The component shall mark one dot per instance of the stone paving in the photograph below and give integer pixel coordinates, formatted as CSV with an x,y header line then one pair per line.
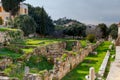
x,y
114,73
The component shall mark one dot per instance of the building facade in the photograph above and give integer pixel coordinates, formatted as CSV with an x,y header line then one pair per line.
x,y
118,39
5,15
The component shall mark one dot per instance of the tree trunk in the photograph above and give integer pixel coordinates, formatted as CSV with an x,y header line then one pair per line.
x,y
73,36
10,19
10,15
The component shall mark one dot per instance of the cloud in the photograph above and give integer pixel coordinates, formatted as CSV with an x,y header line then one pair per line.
x,y
94,11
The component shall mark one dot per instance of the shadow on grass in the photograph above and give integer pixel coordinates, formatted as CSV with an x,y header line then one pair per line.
x,y
89,61
80,71
92,55
102,50
76,76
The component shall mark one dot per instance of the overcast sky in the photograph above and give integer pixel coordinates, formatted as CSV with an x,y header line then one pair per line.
x,y
86,11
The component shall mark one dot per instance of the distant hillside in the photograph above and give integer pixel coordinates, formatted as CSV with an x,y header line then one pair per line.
x,y
65,22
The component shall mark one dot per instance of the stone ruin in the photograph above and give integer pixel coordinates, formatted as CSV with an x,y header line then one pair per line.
x,y
5,62
91,75
2,35
61,68
6,37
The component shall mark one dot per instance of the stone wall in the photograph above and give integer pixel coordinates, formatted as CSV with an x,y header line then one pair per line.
x,y
10,35
2,37
5,62
50,51
61,66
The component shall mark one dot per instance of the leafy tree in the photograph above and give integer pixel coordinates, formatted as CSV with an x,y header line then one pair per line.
x,y
113,27
103,29
11,6
25,23
81,30
114,34
75,30
113,31
63,21
41,29
44,22
71,31
58,27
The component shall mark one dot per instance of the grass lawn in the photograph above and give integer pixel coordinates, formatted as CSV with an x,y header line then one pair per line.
x,y
38,41
46,41
95,61
2,29
27,50
38,63
9,53
34,42
83,43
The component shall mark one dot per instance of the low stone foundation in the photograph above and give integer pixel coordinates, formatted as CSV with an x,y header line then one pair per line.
x,y
62,65
64,61
9,35
5,62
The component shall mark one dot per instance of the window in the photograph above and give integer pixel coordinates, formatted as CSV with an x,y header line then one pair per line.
x,y
0,9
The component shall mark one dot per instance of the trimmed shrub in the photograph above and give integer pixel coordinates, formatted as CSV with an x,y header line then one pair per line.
x,y
91,37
